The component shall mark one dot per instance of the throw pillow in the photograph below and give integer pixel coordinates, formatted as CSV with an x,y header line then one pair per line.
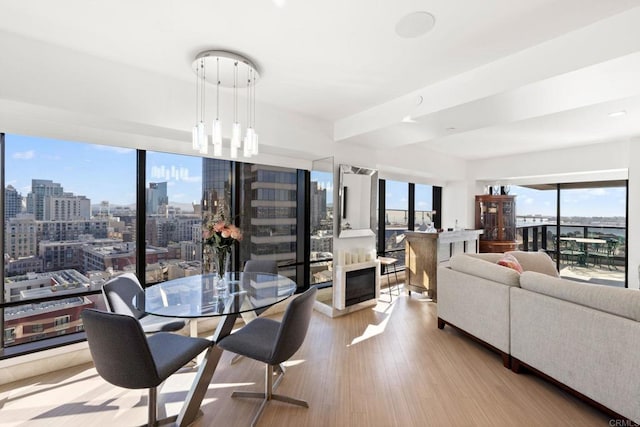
x,y
510,261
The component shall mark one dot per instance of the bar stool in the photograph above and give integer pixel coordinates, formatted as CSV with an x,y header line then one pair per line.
x,y
390,262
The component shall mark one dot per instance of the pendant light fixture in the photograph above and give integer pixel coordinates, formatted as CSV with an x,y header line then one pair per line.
x,y
228,67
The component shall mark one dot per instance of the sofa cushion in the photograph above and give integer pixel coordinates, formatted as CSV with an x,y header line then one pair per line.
x,y
511,262
487,256
618,301
539,262
487,269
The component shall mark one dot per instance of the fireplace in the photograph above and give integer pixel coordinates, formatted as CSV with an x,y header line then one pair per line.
x,y
360,285
356,286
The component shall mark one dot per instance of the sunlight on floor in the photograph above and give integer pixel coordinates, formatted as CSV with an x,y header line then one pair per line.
x,y
373,330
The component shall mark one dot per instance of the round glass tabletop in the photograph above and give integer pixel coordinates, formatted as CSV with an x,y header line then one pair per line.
x,y
206,295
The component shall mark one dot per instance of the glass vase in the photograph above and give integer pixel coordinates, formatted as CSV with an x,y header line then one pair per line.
x,y
208,265
221,260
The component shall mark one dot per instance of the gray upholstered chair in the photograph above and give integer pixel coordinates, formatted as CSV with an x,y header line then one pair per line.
x,y
124,295
125,357
257,266
273,342
261,266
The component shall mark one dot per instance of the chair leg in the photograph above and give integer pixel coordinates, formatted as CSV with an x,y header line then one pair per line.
x,y
153,406
269,386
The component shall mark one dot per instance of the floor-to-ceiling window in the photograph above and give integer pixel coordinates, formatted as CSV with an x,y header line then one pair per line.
x,y
321,227
77,214
268,208
396,215
589,241
423,196
404,206
69,225
174,199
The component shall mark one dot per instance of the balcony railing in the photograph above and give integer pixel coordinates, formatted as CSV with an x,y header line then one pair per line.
x,y
601,259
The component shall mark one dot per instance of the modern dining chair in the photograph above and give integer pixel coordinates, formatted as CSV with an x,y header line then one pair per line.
x,y
257,266
273,342
261,266
124,356
124,295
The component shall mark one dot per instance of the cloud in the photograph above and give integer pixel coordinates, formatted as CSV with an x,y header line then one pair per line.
x,y
598,192
117,150
24,155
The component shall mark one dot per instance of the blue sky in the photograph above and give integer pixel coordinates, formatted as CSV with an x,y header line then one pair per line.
x,y
109,173
324,180
397,196
590,202
98,172
102,172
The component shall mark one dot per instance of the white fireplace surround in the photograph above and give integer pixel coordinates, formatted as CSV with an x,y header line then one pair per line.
x,y
339,284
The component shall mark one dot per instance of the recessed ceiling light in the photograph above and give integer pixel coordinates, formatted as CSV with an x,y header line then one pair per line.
x,y
279,3
415,24
617,113
408,119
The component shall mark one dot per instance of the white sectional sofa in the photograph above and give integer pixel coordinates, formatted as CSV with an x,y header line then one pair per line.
x,y
585,337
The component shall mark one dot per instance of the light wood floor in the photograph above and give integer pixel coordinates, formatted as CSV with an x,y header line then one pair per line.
x,y
388,366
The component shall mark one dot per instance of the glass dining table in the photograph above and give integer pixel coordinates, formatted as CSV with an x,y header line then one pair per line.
x,y
204,296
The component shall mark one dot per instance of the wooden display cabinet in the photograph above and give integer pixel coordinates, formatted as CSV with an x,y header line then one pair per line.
x,y
496,215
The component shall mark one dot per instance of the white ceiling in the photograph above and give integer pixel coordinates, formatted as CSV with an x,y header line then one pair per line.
x,y
496,76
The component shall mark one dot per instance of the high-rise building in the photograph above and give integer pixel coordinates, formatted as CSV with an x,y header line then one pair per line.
x,y
41,188
12,202
269,212
20,236
216,185
47,201
66,207
318,205
156,196
72,229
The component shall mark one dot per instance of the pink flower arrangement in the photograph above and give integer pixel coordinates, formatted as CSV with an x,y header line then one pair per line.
x,y
220,234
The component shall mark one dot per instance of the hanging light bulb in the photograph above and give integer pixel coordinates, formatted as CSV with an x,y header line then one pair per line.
x,y
247,147
217,126
248,137
236,131
202,138
254,144
195,133
194,138
202,131
254,134
224,61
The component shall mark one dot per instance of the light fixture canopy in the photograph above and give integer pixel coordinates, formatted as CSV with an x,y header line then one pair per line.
x,y
230,70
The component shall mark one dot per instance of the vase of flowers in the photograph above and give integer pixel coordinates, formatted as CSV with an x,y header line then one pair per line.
x,y
218,238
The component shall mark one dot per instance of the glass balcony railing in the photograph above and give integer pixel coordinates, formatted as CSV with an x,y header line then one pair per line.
x,y
592,253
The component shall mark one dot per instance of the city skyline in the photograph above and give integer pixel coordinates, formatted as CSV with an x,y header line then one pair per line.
x,y
35,158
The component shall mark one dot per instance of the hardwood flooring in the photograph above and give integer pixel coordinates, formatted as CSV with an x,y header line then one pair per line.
x,y
387,366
